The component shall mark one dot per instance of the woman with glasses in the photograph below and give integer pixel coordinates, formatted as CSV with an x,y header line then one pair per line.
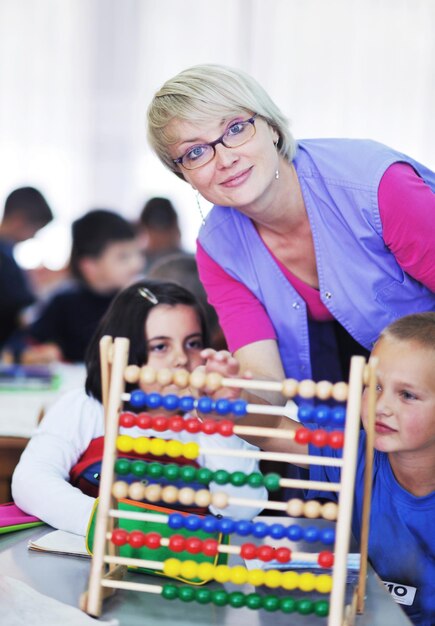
x,y
312,247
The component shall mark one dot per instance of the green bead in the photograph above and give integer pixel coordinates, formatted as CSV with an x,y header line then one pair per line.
x,y
188,473
219,597
171,471
186,594
204,475
203,596
139,468
238,479
122,466
236,599
255,480
155,470
304,607
271,482
287,605
321,608
271,603
221,477
254,601
170,592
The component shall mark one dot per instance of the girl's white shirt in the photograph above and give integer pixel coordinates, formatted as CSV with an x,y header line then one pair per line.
x,y
40,483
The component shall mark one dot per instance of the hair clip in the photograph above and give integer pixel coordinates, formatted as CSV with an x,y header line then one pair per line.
x,y
148,295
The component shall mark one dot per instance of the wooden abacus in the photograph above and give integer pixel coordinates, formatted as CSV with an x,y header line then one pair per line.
x,y
108,568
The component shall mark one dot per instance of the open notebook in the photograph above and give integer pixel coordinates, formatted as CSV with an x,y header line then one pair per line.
x,y
60,542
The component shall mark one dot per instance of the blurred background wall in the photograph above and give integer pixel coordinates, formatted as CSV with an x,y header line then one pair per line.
x,y
76,77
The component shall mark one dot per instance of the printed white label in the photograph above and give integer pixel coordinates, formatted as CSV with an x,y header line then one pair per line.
x,y
402,594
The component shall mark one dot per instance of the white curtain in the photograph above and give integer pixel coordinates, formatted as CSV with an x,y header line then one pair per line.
x,y
76,77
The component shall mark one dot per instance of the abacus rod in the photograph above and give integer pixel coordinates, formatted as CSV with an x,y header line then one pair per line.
x,y
131,562
309,484
298,459
123,584
139,517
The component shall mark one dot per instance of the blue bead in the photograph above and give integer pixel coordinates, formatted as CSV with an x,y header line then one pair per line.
x,y
205,404
305,413
176,520
327,536
170,402
277,531
138,398
192,522
239,407
338,416
295,532
187,403
226,525
323,414
154,400
311,534
210,524
243,527
223,406
260,530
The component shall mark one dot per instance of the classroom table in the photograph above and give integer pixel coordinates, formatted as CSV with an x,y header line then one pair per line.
x,y
65,578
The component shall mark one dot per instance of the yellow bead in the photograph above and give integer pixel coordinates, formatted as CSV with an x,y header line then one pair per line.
x,y
307,389
141,445
329,511
181,378
289,387
189,569
158,447
170,494
174,448
238,575
153,493
307,581
220,500
202,498
136,491
213,382
323,389
191,450
312,509
273,578
295,507
324,583
172,567
206,571
120,489
339,392
164,376
198,378
290,581
147,375
256,577
124,443
222,573
132,373
186,496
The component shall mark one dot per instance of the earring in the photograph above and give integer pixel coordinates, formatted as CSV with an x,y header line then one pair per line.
x,y
197,195
276,174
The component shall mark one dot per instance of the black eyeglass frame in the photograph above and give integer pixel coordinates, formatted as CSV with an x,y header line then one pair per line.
x,y
216,142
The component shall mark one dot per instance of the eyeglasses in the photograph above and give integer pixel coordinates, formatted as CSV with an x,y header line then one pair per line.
x,y
236,135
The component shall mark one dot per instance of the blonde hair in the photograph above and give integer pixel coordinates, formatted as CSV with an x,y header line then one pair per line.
x,y
419,327
205,92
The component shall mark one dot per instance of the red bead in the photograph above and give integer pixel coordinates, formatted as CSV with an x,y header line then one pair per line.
x,y
319,438
193,545
226,428
325,559
144,420
248,551
265,553
177,543
336,439
210,547
119,537
192,425
176,423
136,539
209,427
152,540
283,555
127,419
160,423
303,436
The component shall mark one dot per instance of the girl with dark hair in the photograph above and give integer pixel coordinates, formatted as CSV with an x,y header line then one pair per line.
x,y
57,477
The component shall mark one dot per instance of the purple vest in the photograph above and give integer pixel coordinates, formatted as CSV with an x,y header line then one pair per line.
x,y
360,281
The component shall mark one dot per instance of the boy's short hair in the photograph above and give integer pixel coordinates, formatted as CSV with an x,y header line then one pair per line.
x,y
159,214
30,203
418,327
92,233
